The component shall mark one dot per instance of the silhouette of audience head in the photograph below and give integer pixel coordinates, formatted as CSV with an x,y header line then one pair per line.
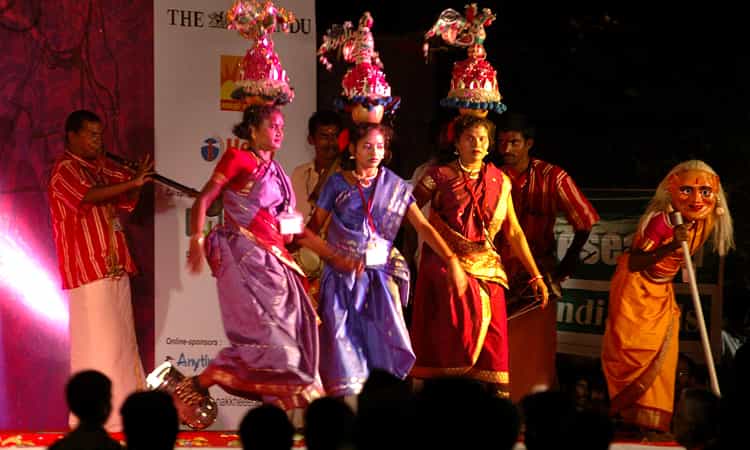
x,y
462,413
385,403
89,396
149,421
549,419
266,427
382,386
696,419
502,423
329,424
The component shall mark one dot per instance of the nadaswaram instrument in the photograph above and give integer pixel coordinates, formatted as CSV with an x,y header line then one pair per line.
x,y
213,210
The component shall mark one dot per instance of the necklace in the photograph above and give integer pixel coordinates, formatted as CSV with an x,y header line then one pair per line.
x,y
473,173
364,180
258,156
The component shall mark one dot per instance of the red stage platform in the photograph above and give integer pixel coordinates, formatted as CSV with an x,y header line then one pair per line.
x,y
220,440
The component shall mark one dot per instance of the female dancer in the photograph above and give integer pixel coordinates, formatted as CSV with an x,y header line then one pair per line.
x,y
466,335
266,313
363,324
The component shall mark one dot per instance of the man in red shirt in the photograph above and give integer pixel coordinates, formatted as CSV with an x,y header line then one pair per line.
x,y
540,192
87,194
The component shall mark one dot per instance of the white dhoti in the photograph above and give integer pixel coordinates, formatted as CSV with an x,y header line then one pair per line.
x,y
102,337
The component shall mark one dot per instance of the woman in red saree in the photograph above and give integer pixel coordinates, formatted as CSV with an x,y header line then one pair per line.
x,y
640,344
466,335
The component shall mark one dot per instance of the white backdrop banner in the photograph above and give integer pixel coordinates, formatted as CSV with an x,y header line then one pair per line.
x,y
195,62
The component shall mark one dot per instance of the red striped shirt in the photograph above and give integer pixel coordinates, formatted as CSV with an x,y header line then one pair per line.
x,y
90,245
539,194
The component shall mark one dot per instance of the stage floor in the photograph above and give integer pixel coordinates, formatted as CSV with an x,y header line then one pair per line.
x,y
210,440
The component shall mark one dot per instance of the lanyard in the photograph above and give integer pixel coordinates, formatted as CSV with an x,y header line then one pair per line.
x,y
367,203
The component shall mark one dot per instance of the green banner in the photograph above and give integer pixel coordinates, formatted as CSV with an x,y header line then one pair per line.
x,y
582,311
613,234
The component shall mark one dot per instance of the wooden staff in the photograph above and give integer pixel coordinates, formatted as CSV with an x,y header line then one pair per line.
x,y
699,312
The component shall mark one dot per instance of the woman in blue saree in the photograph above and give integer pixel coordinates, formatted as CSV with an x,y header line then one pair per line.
x,y
363,325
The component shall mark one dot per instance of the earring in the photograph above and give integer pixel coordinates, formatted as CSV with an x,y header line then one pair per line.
x,y
455,152
351,156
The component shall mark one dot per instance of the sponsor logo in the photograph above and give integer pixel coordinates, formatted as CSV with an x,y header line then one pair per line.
x,y
193,363
229,71
211,148
217,19
236,401
183,341
190,18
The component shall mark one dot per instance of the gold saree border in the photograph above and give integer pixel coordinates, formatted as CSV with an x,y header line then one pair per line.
x,y
643,416
478,259
290,395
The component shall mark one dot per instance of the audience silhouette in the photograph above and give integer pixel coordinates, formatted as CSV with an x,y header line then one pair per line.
x,y
89,397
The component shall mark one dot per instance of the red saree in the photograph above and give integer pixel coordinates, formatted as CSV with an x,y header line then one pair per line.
x,y
466,335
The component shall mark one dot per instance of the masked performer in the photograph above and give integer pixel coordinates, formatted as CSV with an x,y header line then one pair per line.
x,y
640,347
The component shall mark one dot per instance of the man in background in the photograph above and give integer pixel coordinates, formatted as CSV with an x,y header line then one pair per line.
x,y
323,129
540,192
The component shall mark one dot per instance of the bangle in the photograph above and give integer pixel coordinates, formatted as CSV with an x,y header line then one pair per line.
x,y
536,277
198,237
451,256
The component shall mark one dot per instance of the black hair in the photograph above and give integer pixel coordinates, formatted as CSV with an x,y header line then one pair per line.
x,y
266,427
321,119
359,131
89,396
697,419
75,120
460,124
516,122
329,424
149,421
253,116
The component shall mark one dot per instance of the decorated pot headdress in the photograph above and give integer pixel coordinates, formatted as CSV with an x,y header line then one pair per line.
x,y
365,91
474,87
262,79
